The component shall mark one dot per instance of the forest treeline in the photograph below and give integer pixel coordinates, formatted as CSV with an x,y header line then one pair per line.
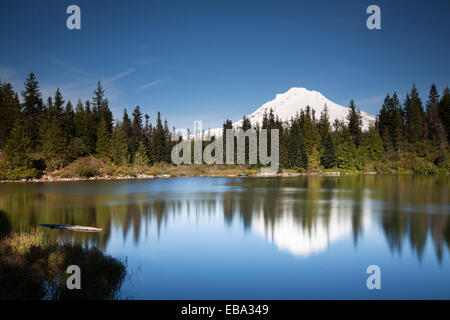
x,y
37,136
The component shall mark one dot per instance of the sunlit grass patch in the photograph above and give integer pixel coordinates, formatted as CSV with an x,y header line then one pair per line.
x,y
31,267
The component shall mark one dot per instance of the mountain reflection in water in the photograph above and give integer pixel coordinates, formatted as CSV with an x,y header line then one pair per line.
x,y
301,216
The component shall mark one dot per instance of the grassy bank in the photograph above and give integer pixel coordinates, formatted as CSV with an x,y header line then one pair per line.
x,y
31,267
92,167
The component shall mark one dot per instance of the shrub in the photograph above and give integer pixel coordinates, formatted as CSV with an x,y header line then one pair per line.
x,y
31,268
18,173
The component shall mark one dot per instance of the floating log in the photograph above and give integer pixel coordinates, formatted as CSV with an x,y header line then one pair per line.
x,y
71,228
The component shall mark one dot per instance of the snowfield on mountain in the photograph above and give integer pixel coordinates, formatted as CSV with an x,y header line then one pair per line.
x,y
287,105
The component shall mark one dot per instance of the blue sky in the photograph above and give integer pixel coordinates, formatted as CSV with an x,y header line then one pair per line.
x,y
214,60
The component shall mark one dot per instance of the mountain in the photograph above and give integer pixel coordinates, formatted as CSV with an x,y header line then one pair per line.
x,y
288,104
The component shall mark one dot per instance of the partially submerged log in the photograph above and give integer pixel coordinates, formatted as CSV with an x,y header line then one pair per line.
x,y
71,228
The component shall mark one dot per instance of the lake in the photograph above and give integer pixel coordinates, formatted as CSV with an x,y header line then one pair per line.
x,y
306,237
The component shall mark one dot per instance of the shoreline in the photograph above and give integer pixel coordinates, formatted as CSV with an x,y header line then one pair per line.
x,y
50,178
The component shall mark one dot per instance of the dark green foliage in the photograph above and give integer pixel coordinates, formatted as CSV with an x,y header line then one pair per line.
x,y
137,133
32,110
435,129
329,159
141,157
120,153
9,111
444,111
414,117
354,124
103,140
35,136
159,142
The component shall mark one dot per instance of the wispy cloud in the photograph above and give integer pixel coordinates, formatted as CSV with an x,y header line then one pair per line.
x,y
371,100
142,61
6,73
71,68
151,84
120,75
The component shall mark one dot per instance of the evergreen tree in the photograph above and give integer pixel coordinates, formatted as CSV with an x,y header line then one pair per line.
x,y
397,130
329,159
97,103
120,153
16,152
228,124
136,130
148,135
69,122
297,156
311,140
32,109
141,157
354,123
372,146
158,141
414,116
246,125
324,125
103,141
167,143
444,110
384,124
52,133
9,111
435,129
107,116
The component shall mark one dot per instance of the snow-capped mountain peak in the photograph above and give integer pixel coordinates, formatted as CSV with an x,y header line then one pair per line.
x,y
286,105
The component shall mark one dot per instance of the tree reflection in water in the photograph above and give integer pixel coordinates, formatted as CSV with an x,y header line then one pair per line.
x,y
300,215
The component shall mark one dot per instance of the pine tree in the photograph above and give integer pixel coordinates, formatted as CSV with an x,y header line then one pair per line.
x,y
397,130
167,142
372,146
103,141
16,152
69,123
354,123
136,130
52,133
414,117
141,157
107,116
324,125
148,135
444,111
246,125
9,111
227,125
295,147
385,122
32,109
435,129
128,129
120,153
90,128
158,141
311,140
97,103
329,159
346,151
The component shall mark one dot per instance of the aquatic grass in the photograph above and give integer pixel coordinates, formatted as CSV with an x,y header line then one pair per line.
x,y
21,243
33,267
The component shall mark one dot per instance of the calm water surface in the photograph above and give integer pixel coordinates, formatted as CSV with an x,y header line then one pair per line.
x,y
256,238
